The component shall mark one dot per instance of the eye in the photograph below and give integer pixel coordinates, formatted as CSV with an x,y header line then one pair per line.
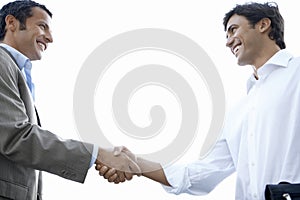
x,y
233,30
42,26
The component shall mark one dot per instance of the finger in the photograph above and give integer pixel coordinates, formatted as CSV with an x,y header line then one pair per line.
x,y
113,178
128,176
118,150
98,167
121,176
103,170
127,151
117,180
110,173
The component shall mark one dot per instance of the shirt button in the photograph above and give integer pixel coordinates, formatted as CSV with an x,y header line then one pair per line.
x,y
252,164
255,196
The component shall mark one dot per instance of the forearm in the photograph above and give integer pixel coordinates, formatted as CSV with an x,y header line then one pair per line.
x,y
29,145
153,171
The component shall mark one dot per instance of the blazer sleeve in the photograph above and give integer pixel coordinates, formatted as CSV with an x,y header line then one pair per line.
x,y
24,142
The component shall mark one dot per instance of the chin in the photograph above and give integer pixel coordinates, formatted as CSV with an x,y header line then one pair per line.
x,y
241,62
34,59
37,54
37,57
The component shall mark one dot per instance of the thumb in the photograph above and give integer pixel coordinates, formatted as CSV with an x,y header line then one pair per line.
x,y
118,150
134,167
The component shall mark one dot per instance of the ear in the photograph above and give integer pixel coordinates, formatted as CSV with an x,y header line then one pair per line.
x,y
264,25
11,23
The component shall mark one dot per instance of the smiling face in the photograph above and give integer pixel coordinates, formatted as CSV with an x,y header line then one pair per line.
x,y
244,40
32,40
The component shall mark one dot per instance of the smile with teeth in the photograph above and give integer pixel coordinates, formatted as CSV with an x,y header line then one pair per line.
x,y
236,49
42,46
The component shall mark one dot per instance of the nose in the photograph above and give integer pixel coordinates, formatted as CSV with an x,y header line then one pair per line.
x,y
49,37
229,41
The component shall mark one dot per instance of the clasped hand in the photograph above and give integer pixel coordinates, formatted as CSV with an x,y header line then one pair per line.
x,y
117,165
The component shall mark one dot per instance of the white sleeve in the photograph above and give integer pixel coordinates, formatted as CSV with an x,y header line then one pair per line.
x,y
201,176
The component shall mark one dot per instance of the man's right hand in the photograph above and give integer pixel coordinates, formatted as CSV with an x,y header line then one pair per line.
x,y
115,165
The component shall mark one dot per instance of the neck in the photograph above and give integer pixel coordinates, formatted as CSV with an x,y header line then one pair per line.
x,y
264,56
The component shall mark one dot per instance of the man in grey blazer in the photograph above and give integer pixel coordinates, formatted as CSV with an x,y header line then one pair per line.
x,y
26,148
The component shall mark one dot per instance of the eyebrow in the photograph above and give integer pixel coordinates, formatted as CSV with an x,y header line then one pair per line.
x,y
43,22
229,29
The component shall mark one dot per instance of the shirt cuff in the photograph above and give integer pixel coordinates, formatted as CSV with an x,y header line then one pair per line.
x,y
177,176
94,155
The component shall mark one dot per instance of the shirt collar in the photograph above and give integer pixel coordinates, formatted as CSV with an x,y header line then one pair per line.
x,y
22,60
24,65
279,59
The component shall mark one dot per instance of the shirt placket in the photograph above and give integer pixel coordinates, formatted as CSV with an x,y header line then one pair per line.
x,y
252,158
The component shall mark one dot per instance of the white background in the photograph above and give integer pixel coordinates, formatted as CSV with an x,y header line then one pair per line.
x,y
80,26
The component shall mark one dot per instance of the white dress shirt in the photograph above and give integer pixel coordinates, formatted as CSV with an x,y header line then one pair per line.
x,y
260,138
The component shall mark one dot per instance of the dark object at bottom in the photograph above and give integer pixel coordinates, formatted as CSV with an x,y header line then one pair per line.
x,y
282,191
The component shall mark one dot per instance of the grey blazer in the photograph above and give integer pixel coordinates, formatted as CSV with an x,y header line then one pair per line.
x,y
26,148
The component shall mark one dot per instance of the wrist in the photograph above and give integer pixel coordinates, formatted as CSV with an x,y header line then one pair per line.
x,y
100,156
147,166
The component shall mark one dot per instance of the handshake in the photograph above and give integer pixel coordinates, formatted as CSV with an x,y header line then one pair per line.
x,y
120,164
117,165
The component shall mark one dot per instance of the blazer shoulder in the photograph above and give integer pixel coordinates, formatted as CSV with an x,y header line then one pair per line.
x,y
10,73
8,67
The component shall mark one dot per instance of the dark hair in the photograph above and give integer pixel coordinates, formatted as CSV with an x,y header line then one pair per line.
x,y
254,12
21,10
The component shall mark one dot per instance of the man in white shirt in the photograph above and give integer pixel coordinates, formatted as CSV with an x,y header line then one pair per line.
x,y
261,135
